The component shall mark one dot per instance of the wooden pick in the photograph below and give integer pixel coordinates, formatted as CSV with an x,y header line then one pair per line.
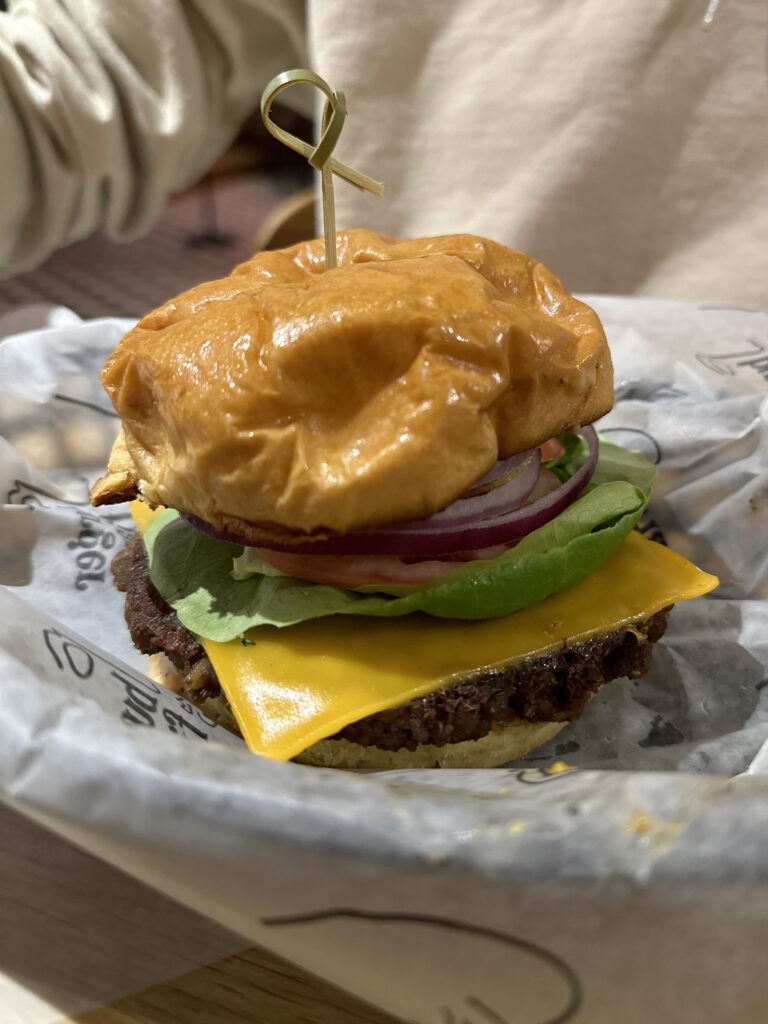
x,y
319,156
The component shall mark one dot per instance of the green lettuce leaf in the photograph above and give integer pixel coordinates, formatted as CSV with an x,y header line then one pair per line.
x,y
193,572
251,563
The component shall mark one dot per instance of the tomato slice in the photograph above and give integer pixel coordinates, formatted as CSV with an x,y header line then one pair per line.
x,y
551,449
350,571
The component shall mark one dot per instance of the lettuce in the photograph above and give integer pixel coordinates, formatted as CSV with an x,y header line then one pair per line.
x,y
193,572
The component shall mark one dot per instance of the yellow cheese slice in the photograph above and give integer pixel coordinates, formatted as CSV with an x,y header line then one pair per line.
x,y
143,515
289,688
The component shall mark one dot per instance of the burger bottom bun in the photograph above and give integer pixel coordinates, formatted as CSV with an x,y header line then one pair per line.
x,y
503,743
161,670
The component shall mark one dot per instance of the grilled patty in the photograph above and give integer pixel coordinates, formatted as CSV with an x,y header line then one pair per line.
x,y
551,687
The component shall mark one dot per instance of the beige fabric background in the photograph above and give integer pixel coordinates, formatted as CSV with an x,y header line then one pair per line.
x,y
624,144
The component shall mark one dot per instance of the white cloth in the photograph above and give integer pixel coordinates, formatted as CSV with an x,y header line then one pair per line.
x,y
625,145
109,106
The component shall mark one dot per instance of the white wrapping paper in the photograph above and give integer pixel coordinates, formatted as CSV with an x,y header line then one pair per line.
x,y
635,889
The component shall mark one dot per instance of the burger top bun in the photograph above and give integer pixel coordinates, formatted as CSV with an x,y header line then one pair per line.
x,y
287,399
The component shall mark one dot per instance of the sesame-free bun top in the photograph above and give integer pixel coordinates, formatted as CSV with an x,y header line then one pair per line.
x,y
287,399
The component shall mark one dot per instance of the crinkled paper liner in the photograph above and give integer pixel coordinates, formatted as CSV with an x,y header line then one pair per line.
x,y
633,889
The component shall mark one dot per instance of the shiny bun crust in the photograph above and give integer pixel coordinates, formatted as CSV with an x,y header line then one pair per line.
x,y
287,400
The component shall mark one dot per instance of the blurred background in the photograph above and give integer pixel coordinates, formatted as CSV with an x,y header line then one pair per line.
x,y
257,195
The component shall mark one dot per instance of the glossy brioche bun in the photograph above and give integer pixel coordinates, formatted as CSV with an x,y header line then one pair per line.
x,y
502,744
287,400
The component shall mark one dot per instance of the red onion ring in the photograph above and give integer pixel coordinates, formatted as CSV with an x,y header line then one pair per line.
x,y
503,498
498,500
497,471
427,537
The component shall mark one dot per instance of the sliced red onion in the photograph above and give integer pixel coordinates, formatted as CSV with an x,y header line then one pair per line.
x,y
429,538
504,498
447,539
466,509
496,472
230,538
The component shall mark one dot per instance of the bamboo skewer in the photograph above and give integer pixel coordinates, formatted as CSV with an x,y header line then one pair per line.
x,y
319,156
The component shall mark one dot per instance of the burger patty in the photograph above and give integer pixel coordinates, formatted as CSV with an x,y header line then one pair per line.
x,y
550,687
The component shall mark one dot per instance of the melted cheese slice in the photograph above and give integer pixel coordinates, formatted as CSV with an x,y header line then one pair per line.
x,y
289,688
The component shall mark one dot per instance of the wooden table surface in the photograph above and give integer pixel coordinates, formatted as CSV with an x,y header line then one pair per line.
x,y
82,943
250,986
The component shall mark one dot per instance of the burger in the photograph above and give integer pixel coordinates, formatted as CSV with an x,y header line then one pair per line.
x,y
375,527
